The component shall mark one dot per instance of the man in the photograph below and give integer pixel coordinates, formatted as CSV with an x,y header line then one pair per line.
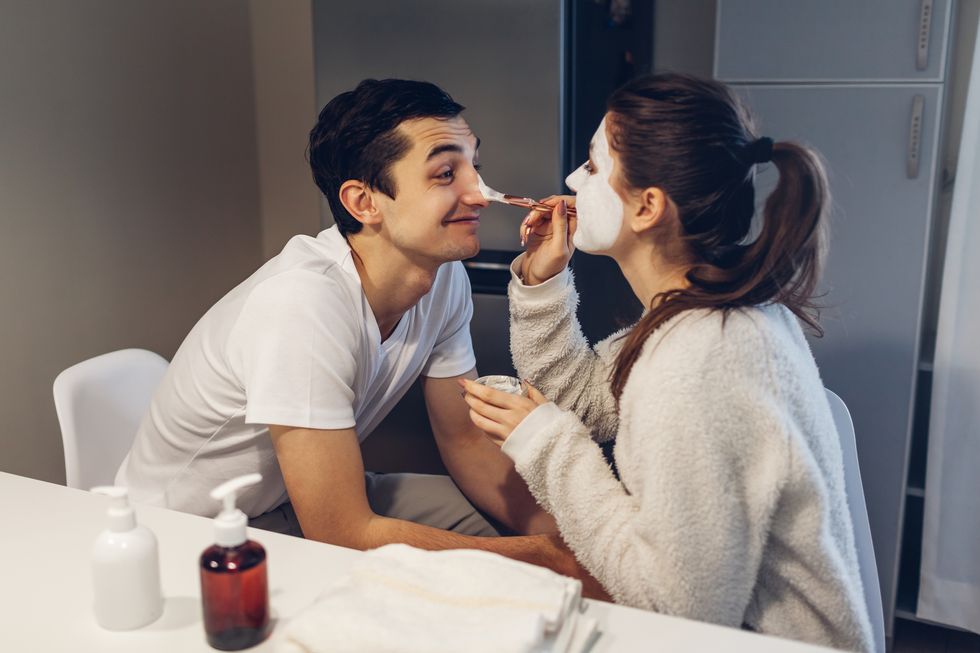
x,y
294,367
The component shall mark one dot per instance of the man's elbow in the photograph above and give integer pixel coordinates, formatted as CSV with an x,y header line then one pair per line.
x,y
351,532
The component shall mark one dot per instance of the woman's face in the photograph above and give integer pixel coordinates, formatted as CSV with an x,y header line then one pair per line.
x,y
598,205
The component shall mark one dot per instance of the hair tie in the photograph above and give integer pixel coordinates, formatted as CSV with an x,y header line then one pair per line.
x,y
761,150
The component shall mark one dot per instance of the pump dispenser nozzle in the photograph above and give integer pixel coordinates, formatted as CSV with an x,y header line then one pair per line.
x,y
229,525
121,515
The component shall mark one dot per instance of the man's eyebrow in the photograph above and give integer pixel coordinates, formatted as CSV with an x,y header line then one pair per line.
x,y
439,149
448,147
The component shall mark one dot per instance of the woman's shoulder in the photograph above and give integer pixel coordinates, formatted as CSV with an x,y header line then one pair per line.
x,y
740,340
708,365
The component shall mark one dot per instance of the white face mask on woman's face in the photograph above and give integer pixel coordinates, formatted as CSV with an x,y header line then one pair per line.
x,y
599,208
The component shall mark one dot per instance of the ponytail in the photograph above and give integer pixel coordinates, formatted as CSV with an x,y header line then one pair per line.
x,y
782,265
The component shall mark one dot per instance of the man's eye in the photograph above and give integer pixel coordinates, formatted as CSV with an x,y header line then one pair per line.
x,y
448,174
477,167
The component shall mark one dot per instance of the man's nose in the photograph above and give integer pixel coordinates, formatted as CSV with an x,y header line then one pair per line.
x,y
473,197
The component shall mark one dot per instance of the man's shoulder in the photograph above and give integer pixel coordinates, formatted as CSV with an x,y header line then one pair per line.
x,y
308,268
299,300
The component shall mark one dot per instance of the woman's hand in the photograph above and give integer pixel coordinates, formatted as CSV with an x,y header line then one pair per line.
x,y
549,240
498,413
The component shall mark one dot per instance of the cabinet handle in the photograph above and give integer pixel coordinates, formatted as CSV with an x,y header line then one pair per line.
x,y
922,39
915,136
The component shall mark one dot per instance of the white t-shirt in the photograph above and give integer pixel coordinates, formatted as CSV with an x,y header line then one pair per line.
x,y
295,344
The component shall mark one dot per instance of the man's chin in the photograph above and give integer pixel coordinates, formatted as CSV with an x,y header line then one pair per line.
x,y
465,250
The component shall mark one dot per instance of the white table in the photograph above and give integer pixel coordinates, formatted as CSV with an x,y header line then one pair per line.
x,y
46,594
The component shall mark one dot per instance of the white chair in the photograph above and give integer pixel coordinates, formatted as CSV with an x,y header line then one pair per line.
x,y
859,516
100,403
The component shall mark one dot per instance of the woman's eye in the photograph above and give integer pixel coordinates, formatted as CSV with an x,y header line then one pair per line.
x,y
477,167
448,174
588,168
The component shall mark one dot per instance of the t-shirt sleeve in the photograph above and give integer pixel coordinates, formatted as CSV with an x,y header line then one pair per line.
x,y
452,354
294,345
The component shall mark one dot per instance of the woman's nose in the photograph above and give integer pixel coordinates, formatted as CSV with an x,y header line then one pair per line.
x,y
575,179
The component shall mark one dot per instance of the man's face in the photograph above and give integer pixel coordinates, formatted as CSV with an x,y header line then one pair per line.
x,y
436,211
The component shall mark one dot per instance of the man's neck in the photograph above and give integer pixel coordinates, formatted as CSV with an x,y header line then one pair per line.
x,y
392,282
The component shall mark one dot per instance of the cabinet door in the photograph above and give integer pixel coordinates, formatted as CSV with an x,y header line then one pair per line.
x,y
490,329
875,271
831,40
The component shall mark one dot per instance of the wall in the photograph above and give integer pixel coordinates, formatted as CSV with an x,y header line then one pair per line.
x,y
128,189
684,36
285,108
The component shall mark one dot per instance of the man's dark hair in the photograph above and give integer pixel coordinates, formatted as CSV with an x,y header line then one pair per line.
x,y
357,137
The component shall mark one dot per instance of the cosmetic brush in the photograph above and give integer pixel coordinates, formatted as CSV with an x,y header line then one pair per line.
x,y
516,200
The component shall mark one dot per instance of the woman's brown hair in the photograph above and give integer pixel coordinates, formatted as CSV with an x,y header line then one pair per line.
x,y
694,140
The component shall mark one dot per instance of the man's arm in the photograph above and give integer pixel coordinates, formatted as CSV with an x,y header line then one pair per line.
x,y
481,470
324,477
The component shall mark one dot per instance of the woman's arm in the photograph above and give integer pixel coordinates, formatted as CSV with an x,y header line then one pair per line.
x,y
686,538
545,338
703,455
550,350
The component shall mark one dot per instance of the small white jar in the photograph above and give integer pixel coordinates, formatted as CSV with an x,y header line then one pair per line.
x,y
504,383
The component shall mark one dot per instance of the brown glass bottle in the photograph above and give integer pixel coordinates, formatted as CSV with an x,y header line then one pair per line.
x,y
235,595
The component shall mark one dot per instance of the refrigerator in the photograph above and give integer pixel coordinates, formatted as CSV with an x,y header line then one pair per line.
x,y
873,105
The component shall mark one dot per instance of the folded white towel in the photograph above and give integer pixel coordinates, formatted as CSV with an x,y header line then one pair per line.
x,y
399,598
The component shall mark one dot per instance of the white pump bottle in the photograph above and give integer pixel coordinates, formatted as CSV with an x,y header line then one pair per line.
x,y
125,568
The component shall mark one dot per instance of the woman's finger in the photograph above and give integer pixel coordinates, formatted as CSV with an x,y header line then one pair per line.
x,y
572,227
552,200
535,218
498,415
559,219
488,426
492,396
534,394
522,230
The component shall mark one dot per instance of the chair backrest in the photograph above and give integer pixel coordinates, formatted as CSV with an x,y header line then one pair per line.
x,y
859,516
100,403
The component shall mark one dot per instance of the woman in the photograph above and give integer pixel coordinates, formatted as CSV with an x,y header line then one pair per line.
x,y
729,506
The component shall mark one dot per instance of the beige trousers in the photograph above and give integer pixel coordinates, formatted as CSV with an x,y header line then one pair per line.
x,y
427,499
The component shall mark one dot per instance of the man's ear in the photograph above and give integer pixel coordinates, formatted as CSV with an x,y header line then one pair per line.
x,y
358,199
652,209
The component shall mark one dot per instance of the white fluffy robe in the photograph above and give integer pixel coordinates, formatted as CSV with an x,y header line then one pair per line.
x,y
730,506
